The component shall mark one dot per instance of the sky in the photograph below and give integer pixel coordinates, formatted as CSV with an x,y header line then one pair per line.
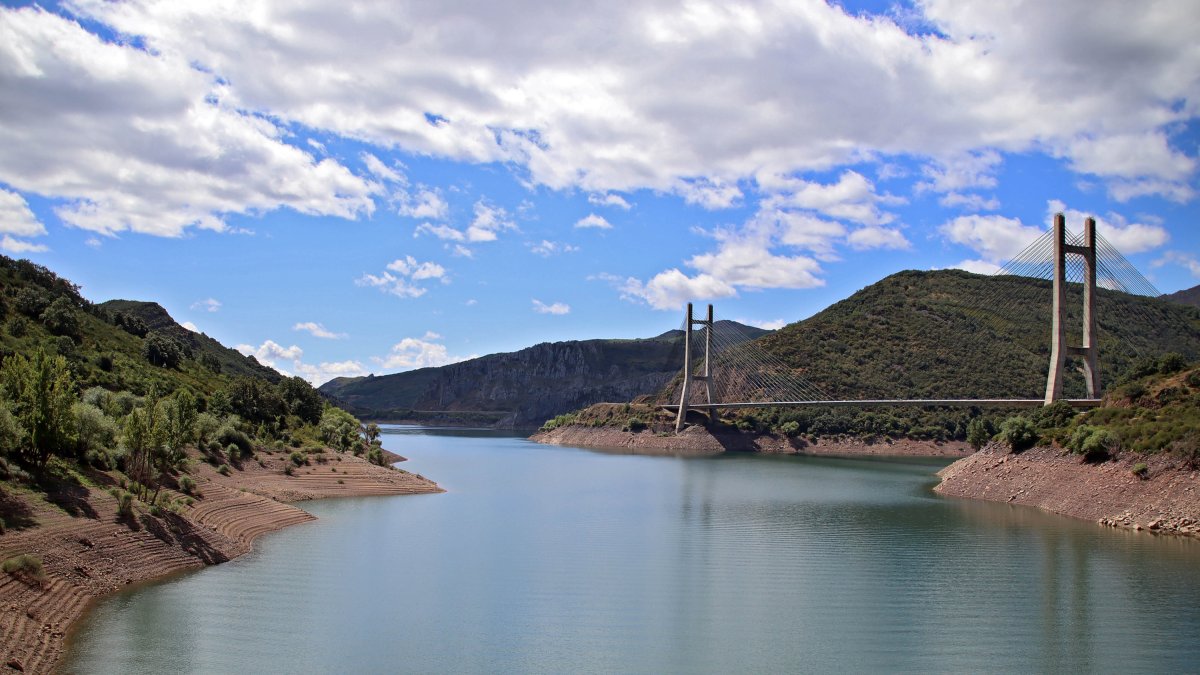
x,y
369,187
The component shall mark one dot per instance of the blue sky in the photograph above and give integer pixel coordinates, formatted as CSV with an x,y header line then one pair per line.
x,y
353,188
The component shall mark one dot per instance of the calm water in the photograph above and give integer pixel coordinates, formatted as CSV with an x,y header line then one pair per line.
x,y
554,560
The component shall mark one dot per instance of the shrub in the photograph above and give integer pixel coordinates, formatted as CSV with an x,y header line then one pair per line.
x,y
1140,470
25,566
636,425
289,469
228,434
1171,363
298,458
790,429
187,484
1018,432
979,432
224,470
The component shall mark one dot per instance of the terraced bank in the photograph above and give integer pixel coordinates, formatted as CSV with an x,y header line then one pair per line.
x,y
88,550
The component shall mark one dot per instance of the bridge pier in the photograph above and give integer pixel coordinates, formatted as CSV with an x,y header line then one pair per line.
x,y
1059,349
686,392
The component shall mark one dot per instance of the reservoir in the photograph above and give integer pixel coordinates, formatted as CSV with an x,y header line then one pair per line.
x,y
543,559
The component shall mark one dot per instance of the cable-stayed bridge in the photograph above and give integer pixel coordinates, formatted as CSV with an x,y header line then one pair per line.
x,y
725,369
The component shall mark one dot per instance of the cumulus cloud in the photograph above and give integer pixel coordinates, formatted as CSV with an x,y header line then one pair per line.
x,y
852,197
441,231
190,326
548,248
878,237
672,289
325,371
423,352
13,245
557,308
424,203
78,107
1187,261
207,305
401,277
289,360
489,221
593,221
1127,237
996,238
609,199
318,330
16,218
270,353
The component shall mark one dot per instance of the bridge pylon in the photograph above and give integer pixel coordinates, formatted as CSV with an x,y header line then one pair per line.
x,y
1059,349
688,376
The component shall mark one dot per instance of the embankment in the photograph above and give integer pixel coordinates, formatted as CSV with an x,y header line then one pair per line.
x,y
1166,499
697,440
89,551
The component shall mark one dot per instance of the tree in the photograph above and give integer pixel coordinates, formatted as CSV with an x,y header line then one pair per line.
x,y
180,414
340,430
979,432
301,399
93,429
161,350
60,318
1018,432
40,391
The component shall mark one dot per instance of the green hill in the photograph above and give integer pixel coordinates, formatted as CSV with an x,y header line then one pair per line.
x,y
953,334
1188,296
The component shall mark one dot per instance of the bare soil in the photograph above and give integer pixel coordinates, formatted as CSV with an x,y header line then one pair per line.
x,y
697,440
89,551
1166,500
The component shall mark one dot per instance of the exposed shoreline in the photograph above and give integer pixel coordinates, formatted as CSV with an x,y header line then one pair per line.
x,y
697,440
1166,501
94,552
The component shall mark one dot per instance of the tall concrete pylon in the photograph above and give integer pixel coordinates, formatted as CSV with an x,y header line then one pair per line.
x,y
1059,349
688,377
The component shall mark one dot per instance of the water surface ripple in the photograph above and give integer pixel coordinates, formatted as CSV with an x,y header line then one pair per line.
x,y
551,560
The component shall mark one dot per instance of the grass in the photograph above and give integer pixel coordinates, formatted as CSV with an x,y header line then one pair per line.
x,y
27,567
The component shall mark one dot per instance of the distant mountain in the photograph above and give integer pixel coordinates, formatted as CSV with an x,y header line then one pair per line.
x,y
1189,296
523,388
951,334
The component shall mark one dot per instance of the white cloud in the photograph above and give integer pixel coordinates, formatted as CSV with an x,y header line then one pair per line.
x,y
878,237
672,289
609,199
969,202
978,266
270,353
489,220
18,246
852,197
327,370
207,305
961,172
16,218
775,324
558,308
318,330
141,140
593,221
421,352
996,238
426,203
377,167
693,99
190,326
548,248
1187,261
443,232
1127,237
407,271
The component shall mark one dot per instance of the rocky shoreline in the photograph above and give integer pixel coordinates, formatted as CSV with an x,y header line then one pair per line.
x,y
697,440
88,550
1164,499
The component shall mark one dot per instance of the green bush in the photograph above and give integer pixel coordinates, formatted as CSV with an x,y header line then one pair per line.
x,y
635,425
1018,432
298,458
25,566
791,429
187,484
979,432
289,469
1140,470
224,470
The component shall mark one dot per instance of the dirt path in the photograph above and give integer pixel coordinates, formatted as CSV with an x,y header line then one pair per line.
x,y
96,552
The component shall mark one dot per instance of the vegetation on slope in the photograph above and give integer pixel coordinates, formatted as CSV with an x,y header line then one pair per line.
x,y
121,388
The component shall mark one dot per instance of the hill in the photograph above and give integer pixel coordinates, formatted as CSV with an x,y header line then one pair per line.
x,y
953,334
1188,296
523,388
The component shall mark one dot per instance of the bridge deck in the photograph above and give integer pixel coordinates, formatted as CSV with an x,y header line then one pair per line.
x,y
883,403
